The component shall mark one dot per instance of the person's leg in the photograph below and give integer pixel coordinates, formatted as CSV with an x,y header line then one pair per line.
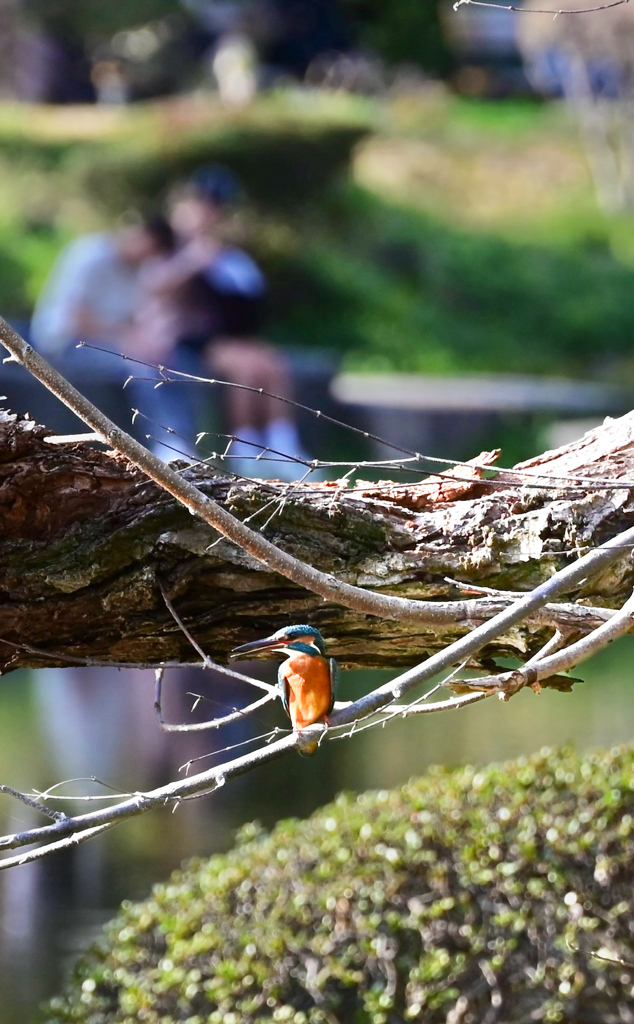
x,y
171,406
255,417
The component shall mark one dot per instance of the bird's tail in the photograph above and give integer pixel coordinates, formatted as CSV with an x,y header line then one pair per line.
x,y
308,751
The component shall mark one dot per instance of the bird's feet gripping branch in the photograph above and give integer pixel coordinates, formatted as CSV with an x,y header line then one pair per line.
x,y
307,680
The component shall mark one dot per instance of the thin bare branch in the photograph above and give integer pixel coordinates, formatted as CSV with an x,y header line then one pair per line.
x,y
74,839
545,664
555,643
263,737
384,715
36,805
50,794
473,588
139,803
103,663
453,704
541,10
233,716
183,628
412,460
616,961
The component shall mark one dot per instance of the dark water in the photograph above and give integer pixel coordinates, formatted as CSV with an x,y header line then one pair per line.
x,y
63,725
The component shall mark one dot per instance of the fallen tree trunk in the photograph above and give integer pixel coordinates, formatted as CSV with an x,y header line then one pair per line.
x,y
87,544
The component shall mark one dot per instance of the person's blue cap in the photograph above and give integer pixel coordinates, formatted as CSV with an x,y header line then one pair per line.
x,y
216,184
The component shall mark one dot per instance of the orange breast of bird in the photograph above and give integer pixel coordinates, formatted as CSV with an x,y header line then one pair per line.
x,y
309,688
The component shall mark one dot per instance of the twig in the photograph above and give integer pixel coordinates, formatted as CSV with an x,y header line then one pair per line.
x,y
527,478
543,665
216,723
75,839
207,661
183,628
556,641
70,438
50,794
266,736
540,10
102,663
407,710
139,803
31,802
473,588
616,961
420,705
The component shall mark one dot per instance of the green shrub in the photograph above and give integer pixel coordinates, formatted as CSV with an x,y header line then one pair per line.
x,y
395,289
281,167
472,895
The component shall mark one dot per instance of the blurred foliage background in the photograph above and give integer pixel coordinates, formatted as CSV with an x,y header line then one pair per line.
x,y
413,224
430,233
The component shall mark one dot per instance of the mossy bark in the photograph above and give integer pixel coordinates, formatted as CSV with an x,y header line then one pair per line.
x,y
86,543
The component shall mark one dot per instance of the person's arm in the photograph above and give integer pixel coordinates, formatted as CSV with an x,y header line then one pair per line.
x,y
86,323
167,277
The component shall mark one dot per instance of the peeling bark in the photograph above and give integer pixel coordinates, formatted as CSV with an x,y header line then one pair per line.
x,y
85,541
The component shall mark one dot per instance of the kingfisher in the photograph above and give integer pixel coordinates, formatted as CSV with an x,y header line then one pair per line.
x,y
307,680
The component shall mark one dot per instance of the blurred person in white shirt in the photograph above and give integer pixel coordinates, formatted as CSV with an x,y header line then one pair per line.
x,y
94,295
92,292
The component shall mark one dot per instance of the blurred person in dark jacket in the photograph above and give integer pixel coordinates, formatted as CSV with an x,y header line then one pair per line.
x,y
207,302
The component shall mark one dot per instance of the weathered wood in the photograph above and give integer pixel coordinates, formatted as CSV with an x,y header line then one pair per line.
x,y
86,541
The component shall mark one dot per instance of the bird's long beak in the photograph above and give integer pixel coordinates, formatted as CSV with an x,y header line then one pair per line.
x,y
269,643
